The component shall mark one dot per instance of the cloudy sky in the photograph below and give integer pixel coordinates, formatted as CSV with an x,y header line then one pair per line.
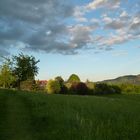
x,y
96,39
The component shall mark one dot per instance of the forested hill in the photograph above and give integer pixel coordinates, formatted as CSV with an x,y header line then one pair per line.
x,y
130,79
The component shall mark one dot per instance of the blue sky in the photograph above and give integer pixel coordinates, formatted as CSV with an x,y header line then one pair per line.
x,y
96,39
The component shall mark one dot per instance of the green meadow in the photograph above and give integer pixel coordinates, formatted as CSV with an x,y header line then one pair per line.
x,y
39,116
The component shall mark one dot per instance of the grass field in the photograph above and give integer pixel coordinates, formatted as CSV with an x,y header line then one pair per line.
x,y
34,116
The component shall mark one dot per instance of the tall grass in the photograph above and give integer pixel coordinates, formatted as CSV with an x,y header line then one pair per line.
x,y
28,116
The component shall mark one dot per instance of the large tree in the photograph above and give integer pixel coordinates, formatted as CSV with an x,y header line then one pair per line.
x,y
53,86
62,84
25,67
60,80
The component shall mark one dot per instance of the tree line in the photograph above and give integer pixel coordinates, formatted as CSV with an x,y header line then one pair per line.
x,y
19,73
18,69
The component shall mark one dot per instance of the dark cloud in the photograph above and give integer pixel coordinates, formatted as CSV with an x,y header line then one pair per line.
x,y
116,24
3,52
46,25
35,11
36,23
135,25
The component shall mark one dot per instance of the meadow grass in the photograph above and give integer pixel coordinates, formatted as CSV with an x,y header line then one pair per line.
x,y
36,116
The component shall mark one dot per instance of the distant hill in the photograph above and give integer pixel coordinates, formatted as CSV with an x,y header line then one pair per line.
x,y
130,79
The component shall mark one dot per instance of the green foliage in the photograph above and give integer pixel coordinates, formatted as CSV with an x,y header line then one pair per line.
x,y
73,78
79,88
25,67
63,88
6,76
53,86
102,88
130,88
60,80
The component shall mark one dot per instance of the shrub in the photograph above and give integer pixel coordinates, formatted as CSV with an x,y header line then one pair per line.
x,y
129,88
79,88
53,86
102,88
116,89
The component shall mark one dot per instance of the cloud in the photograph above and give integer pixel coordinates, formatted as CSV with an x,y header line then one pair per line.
x,y
124,14
34,11
36,24
55,26
115,40
80,35
3,52
96,3
79,13
103,4
106,19
115,24
135,25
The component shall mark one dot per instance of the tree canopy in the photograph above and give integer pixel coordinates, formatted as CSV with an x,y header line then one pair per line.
x,y
73,78
60,80
25,67
53,86
6,75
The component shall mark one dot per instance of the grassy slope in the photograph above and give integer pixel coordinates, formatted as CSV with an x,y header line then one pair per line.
x,y
56,117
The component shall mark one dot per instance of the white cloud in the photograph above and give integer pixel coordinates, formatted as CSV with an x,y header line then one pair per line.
x,y
94,20
106,19
96,4
112,4
79,13
124,14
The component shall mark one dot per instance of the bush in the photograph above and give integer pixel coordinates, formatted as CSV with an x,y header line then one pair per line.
x,y
102,88
53,86
116,89
129,88
79,88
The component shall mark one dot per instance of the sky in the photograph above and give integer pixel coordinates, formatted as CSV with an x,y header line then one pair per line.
x,y
96,39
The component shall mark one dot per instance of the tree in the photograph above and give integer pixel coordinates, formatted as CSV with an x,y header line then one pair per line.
x,y
73,78
53,86
25,67
62,85
6,75
79,88
60,80
103,88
